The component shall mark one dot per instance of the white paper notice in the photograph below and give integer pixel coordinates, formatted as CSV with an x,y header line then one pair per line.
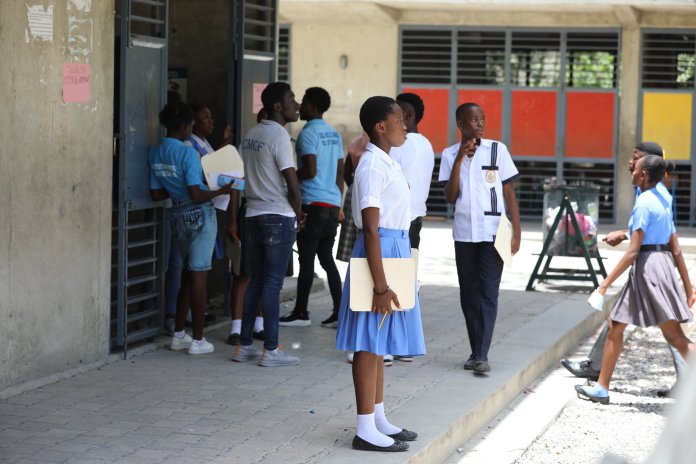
x,y
39,23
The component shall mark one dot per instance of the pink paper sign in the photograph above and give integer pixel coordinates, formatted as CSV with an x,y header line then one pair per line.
x,y
256,104
76,83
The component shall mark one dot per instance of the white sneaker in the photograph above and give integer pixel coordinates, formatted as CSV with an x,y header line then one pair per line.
x,y
178,344
279,358
201,347
244,353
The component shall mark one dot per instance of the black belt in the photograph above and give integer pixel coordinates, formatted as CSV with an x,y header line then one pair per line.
x,y
654,247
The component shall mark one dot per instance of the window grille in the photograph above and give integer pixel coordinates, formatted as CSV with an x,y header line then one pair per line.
x,y
592,59
426,56
530,186
284,53
481,57
668,60
535,59
259,26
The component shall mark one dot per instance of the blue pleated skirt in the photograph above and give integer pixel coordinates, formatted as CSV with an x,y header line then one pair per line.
x,y
402,331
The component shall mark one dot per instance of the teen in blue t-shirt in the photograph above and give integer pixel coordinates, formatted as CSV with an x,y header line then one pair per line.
x,y
176,173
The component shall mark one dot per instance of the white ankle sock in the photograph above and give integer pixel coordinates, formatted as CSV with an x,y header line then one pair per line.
x,y
236,326
382,423
181,334
258,324
368,431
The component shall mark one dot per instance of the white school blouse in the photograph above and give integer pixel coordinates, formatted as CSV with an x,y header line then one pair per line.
x,y
379,183
417,161
480,200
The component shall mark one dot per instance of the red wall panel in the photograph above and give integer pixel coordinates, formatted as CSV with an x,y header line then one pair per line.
x,y
434,123
533,123
589,125
492,103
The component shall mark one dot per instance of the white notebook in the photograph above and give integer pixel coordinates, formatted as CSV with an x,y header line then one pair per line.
x,y
401,278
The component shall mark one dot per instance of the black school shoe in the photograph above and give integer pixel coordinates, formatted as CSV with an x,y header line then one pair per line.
x,y
362,445
259,335
233,339
404,435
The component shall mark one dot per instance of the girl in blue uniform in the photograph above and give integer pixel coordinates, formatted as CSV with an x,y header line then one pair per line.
x,y
651,297
176,173
381,210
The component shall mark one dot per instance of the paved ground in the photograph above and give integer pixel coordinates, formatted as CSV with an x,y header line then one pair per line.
x,y
169,407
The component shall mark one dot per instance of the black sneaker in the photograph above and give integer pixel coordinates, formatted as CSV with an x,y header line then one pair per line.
x,y
331,322
295,320
233,339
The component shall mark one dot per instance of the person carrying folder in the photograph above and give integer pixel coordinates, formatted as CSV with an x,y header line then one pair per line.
x,y
479,178
381,211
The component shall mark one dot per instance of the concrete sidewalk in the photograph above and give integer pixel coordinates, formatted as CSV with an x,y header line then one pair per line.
x,y
165,406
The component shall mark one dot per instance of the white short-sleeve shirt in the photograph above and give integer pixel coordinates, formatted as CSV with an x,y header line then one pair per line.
x,y
379,183
480,200
417,160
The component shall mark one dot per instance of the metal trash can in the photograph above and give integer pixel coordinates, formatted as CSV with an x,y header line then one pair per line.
x,y
584,200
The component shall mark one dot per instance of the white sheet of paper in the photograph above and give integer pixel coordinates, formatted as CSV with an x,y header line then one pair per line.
x,y
401,278
503,238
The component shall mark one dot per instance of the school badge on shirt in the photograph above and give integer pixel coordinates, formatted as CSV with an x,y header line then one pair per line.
x,y
490,177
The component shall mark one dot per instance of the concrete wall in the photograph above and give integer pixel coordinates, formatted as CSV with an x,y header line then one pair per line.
x,y
371,50
55,182
368,33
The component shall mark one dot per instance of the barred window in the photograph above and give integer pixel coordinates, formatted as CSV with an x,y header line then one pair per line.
x,y
668,60
284,53
426,56
535,59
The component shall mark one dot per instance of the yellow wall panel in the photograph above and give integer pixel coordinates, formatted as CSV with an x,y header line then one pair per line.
x,y
667,121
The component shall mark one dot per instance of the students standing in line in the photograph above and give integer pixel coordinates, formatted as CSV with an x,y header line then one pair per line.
x,y
176,173
651,296
273,217
381,210
479,178
320,161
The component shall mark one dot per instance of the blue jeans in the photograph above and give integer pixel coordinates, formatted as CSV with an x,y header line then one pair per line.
x,y
269,238
195,229
172,258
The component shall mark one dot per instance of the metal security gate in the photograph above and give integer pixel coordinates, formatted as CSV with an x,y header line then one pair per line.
x,y
255,39
138,222
545,92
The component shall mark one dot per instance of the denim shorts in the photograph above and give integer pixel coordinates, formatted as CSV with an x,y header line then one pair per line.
x,y
195,228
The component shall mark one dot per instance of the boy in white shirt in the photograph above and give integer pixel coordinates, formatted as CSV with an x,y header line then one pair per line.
x,y
479,178
417,160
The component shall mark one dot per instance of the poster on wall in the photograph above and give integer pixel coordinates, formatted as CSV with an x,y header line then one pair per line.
x,y
177,81
76,87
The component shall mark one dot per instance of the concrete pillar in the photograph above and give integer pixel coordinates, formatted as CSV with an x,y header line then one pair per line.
x,y
628,120
55,185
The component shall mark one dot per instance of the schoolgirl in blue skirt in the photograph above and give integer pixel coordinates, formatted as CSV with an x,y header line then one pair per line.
x,y
381,211
651,296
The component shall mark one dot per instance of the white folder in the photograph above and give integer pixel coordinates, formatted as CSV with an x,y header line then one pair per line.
x,y
223,160
503,238
401,278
